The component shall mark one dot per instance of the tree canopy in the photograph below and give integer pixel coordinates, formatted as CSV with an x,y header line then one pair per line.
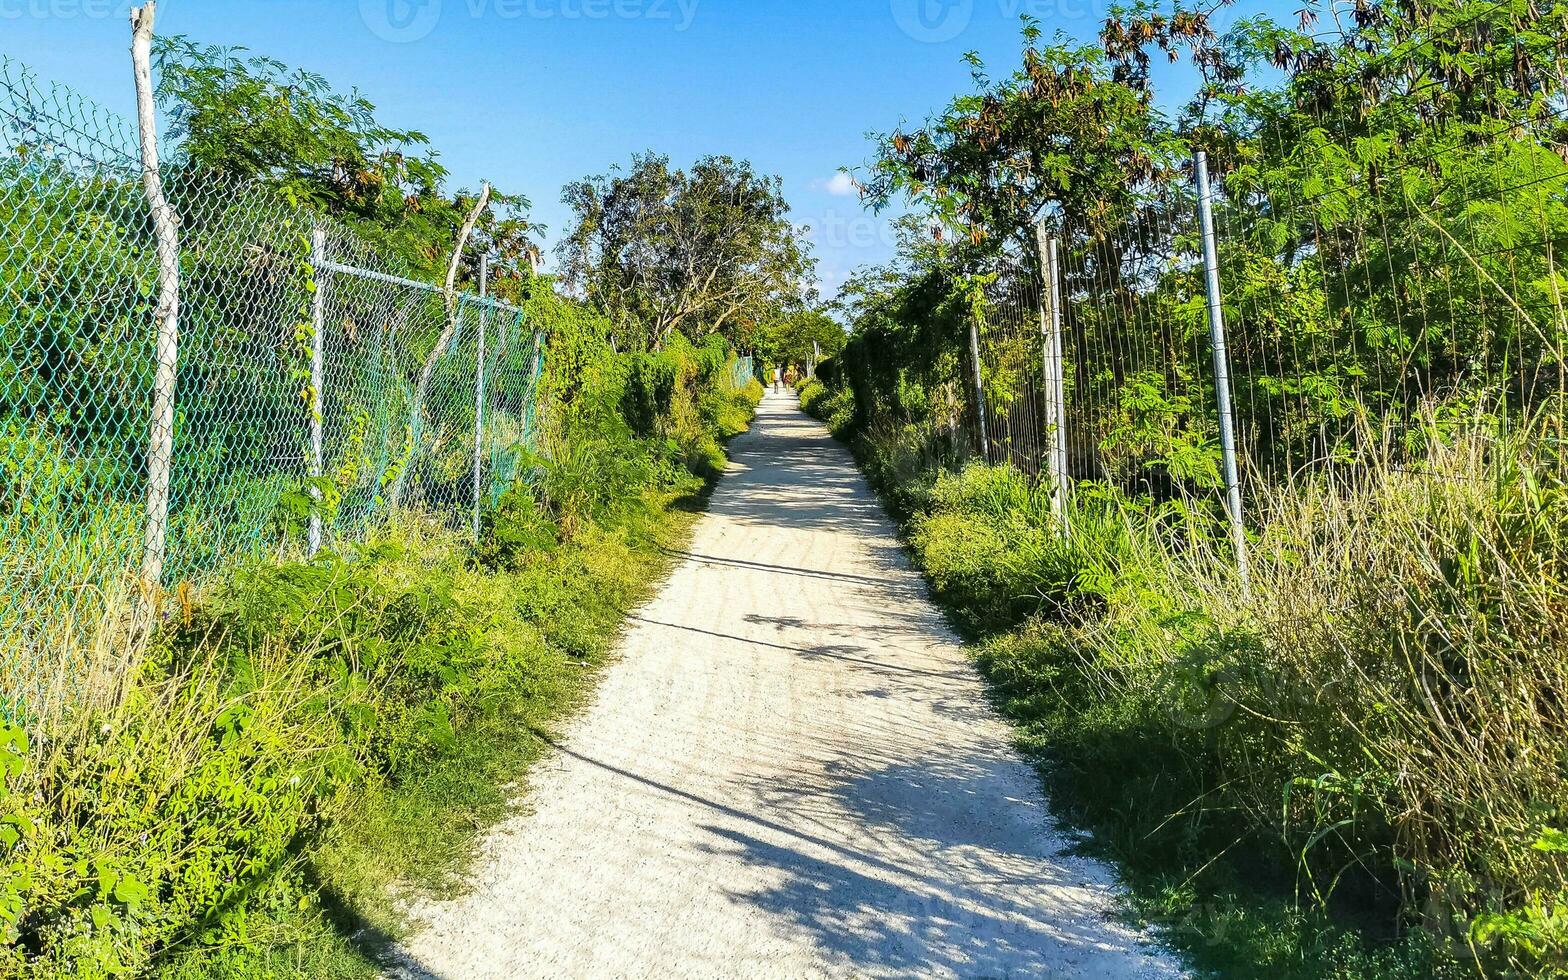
x,y
800,337
664,250
255,118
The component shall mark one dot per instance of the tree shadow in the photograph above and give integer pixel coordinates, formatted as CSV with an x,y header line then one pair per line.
x,y
913,868
845,653
983,884
891,833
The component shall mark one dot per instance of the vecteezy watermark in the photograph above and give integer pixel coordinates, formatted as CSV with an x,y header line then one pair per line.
x,y
64,9
836,229
406,21
937,21
933,21
400,21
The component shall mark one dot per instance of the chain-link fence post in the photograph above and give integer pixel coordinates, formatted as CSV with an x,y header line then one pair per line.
x,y
1211,266
160,445
479,387
974,356
531,415
1055,448
318,358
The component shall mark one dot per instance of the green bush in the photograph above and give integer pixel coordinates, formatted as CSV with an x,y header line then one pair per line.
x,y
650,390
989,554
828,402
1338,738
515,532
254,719
728,412
1315,775
297,726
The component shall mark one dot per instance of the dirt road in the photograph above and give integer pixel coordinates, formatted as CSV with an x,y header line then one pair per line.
x,y
791,772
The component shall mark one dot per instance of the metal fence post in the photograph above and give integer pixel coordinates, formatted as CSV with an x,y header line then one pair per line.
x,y
318,358
1221,365
974,351
1057,319
533,417
479,389
1055,462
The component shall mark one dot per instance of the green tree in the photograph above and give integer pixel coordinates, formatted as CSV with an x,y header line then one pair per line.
x,y
257,119
790,339
1058,139
663,250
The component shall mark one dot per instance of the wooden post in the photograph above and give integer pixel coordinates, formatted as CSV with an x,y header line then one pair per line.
x,y
479,389
449,296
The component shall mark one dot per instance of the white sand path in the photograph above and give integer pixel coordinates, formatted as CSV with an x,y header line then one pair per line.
x,y
791,771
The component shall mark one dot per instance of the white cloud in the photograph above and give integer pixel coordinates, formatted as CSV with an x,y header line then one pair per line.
x,y
840,184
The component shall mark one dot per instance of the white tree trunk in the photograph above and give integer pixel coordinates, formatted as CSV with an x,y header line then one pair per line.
x,y
449,296
160,446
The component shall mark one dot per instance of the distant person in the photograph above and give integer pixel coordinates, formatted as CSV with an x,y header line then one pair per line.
x,y
790,376
778,377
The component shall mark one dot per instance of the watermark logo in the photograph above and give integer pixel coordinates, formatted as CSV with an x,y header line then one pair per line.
x,y
65,9
405,21
936,21
400,21
933,21
838,230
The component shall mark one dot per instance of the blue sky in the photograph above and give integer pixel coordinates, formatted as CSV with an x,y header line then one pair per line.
x,y
534,93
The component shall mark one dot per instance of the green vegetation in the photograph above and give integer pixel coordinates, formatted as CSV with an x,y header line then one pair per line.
x,y
1390,211
800,338
257,119
1349,766
663,250
1295,776
251,785
302,735
266,158
1352,765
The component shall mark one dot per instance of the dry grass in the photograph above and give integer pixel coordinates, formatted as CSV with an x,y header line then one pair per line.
x,y
1388,694
1381,706
75,653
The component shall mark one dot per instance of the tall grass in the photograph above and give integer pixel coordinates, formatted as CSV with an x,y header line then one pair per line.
x,y
247,785
1414,625
1374,727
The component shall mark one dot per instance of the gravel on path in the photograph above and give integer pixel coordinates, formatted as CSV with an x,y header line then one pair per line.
x,y
790,771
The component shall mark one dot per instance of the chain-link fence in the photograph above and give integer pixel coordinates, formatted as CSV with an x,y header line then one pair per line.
x,y
1006,334
1355,267
313,395
743,371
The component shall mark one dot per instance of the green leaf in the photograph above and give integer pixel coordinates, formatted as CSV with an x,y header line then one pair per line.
x,y
129,892
13,751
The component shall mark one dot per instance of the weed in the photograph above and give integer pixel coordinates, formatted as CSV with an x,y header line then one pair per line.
x,y
1349,769
302,741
